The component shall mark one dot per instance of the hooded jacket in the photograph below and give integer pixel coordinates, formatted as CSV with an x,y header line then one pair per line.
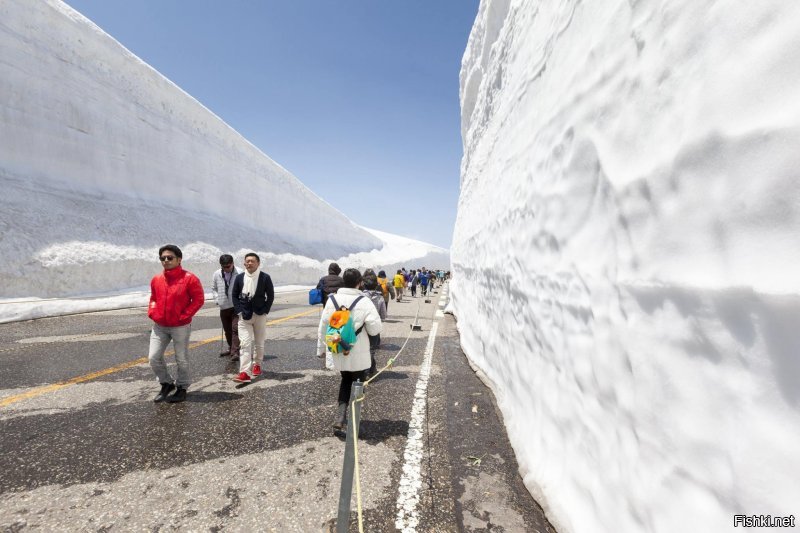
x,y
364,313
175,296
329,285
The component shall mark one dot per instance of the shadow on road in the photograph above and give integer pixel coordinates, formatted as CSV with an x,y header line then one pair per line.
x,y
388,374
376,431
211,397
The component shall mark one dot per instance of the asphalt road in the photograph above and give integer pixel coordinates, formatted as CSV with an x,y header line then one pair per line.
x,y
84,448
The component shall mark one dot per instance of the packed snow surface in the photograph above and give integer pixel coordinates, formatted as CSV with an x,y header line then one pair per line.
x,y
626,250
102,160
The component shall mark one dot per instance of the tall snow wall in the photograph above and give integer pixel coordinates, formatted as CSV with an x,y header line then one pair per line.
x,y
99,151
626,250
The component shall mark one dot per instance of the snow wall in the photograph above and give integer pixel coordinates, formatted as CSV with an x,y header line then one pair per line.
x,y
626,250
102,160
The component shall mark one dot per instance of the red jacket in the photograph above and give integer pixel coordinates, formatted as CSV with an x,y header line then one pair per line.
x,y
175,296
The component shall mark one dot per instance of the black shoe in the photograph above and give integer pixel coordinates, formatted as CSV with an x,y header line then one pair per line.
x,y
166,388
179,396
225,354
235,357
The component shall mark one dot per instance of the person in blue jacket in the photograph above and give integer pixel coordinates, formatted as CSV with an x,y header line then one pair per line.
x,y
423,281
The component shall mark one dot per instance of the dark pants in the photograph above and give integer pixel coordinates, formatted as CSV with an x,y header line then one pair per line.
x,y
347,381
374,344
424,289
230,325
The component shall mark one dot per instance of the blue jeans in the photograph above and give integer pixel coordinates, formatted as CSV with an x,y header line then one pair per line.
x,y
159,340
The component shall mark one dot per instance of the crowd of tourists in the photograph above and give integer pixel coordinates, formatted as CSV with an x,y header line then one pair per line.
x,y
354,305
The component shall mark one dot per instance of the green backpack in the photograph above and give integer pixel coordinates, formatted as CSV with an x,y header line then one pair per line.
x,y
341,334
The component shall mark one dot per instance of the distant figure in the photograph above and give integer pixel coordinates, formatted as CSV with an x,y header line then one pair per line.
x,y
423,282
175,296
353,366
331,283
414,282
387,289
221,289
253,294
371,290
399,283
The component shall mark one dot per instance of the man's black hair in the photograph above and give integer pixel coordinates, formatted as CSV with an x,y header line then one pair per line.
x,y
382,274
252,254
351,278
334,269
172,248
225,259
370,280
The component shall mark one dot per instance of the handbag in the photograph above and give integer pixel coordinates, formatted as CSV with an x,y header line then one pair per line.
x,y
314,296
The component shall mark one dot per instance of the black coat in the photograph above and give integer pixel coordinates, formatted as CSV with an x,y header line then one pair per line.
x,y
329,285
259,303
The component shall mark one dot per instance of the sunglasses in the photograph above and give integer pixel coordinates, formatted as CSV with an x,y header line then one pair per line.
x,y
165,258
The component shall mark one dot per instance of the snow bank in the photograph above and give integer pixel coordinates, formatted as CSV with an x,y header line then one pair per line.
x,y
628,219
102,160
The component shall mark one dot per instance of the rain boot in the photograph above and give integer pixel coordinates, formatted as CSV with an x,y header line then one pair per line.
x,y
341,416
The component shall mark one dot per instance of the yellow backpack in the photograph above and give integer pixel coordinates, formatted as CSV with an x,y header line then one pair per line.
x,y
382,282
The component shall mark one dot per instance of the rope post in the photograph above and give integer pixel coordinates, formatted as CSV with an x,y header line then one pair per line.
x,y
346,490
416,326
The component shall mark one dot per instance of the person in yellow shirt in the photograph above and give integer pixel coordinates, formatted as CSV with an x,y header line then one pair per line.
x,y
399,283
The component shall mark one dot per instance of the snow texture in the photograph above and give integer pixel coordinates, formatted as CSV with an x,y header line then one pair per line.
x,y
625,254
102,160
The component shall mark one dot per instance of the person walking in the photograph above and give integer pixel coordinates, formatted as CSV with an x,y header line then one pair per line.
x,y
423,281
414,282
399,284
331,283
371,288
175,296
387,289
221,287
253,294
365,318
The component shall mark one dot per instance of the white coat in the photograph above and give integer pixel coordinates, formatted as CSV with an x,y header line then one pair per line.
x,y
365,314
224,301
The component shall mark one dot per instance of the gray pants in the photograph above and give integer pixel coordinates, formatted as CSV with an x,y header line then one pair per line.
x,y
159,340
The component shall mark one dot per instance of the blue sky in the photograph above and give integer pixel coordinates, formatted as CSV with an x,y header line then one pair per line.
x,y
357,98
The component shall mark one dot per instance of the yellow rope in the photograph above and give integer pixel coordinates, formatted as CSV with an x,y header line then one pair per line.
x,y
389,364
355,452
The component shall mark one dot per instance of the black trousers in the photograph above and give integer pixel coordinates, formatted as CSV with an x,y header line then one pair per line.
x,y
230,325
347,381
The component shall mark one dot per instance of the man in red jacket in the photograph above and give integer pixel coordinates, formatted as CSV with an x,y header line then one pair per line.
x,y
175,296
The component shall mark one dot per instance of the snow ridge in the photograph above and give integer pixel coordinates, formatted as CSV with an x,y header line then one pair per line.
x,y
628,221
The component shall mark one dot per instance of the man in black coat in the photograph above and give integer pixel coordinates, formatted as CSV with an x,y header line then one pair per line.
x,y
331,283
253,294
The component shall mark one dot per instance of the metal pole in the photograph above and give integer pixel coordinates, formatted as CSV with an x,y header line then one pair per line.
x,y
346,490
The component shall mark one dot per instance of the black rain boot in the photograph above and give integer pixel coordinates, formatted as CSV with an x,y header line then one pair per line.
x,y
341,416
179,396
166,388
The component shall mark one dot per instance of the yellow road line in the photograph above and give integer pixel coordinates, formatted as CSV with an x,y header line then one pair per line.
x,y
38,391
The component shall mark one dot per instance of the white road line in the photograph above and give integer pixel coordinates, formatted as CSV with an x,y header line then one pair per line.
x,y
411,480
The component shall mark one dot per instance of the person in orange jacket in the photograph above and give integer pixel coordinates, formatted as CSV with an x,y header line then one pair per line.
x,y
175,296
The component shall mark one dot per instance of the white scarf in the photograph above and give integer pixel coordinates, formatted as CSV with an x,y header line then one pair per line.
x,y
250,282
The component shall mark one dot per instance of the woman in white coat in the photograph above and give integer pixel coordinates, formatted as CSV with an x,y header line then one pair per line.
x,y
353,366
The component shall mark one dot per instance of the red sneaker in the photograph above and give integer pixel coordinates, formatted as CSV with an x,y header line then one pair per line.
x,y
242,378
256,369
